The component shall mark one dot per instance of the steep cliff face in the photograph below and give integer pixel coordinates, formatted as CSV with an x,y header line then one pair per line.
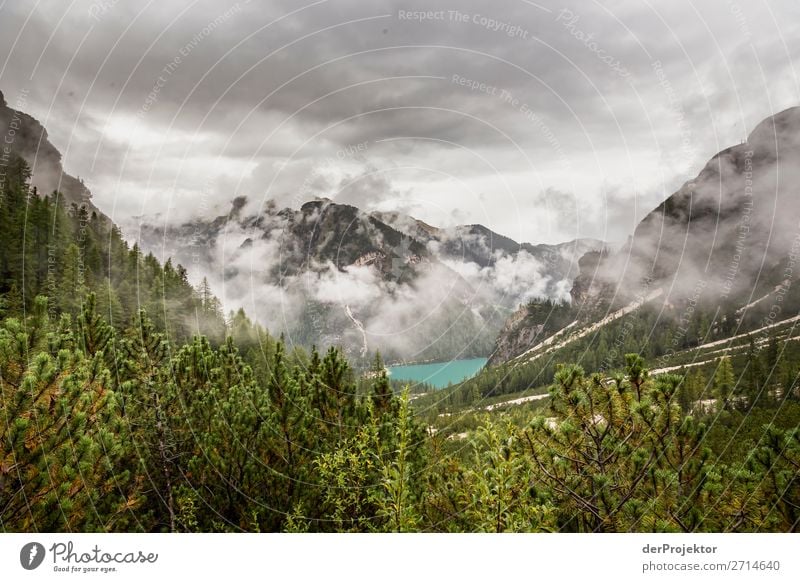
x,y
583,291
25,137
478,245
517,335
322,231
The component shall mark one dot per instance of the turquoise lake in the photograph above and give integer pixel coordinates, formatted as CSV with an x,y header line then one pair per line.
x,y
439,374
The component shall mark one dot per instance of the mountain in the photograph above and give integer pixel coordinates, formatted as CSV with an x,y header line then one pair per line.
x,y
476,244
27,138
715,259
729,227
329,273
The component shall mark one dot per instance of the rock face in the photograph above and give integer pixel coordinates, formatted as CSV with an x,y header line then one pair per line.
x,y
727,240
516,336
27,138
583,292
528,326
478,245
324,232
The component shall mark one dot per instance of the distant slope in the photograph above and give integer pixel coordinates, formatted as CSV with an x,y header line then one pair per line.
x,y
330,274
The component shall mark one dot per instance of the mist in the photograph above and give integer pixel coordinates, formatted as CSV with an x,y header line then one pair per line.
x,y
433,293
731,231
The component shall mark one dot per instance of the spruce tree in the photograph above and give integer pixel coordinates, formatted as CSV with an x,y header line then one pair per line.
x,y
94,334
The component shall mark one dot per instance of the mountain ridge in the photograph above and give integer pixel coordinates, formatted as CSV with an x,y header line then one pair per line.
x,y
396,259
721,240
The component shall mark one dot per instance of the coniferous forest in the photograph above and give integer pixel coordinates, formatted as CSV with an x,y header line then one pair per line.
x,y
129,401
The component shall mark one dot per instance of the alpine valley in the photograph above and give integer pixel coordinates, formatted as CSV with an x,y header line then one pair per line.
x,y
223,375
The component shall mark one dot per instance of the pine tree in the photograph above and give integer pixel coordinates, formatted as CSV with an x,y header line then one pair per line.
x,y
754,378
61,439
776,460
381,389
142,370
637,373
14,301
724,383
94,334
71,287
397,505
611,464
109,305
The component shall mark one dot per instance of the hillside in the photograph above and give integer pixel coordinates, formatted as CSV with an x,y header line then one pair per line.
x,y
728,227
714,259
27,138
329,274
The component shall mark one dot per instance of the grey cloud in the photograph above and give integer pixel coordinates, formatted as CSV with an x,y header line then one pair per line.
x,y
213,104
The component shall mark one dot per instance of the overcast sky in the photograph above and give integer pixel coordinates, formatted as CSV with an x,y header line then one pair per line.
x,y
543,120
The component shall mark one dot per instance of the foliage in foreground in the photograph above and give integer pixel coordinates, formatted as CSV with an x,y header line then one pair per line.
x,y
108,431
102,431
